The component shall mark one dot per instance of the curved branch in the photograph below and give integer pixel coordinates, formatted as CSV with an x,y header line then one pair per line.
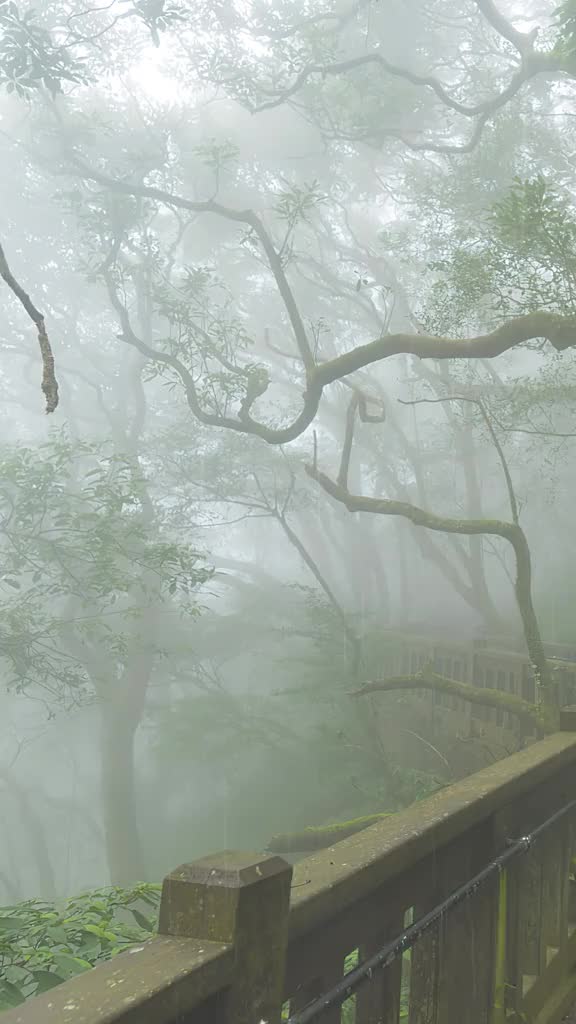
x,y
528,70
510,532
523,41
559,330
499,450
247,217
532,63
243,425
533,715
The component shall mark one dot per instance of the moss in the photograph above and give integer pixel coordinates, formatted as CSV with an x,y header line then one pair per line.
x,y
318,837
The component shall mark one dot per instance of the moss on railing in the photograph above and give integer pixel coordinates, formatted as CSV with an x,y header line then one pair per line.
x,y
317,837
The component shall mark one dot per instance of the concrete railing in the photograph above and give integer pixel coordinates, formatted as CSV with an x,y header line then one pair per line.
x,y
245,938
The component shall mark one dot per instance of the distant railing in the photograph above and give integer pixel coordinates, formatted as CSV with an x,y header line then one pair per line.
x,y
245,938
498,663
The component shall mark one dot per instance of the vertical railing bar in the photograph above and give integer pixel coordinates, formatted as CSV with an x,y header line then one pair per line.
x,y
499,1015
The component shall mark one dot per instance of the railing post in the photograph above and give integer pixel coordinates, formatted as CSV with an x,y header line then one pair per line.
x,y
243,900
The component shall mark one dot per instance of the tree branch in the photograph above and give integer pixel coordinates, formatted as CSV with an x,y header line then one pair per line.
x,y
245,425
559,331
524,42
532,715
49,382
510,532
247,217
485,108
499,450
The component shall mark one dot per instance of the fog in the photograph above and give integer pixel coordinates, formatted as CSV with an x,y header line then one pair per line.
x,y
307,275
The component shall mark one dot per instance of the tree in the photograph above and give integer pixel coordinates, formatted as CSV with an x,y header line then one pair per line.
x,y
266,231
86,571
557,328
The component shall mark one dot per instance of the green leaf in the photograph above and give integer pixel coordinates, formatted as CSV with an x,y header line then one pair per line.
x,y
142,920
91,941
10,995
70,965
100,931
10,924
95,929
45,980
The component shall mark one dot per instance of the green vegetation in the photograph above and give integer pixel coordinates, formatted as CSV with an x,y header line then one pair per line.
x,y
43,944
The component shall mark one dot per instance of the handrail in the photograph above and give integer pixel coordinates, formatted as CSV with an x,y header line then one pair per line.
x,y
241,934
229,916
327,882
391,952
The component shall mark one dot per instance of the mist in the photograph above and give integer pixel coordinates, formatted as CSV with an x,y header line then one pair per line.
x,y
288,295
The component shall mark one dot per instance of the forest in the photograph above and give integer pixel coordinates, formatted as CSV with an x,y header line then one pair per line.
x,y
288,319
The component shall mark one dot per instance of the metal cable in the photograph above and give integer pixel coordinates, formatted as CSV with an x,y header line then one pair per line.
x,y
395,949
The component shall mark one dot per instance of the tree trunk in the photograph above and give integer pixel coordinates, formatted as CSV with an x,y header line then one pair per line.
x,y
122,709
545,689
467,456
34,826
405,600
476,597
123,844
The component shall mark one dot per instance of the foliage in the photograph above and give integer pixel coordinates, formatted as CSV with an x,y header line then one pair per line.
x,y
349,1007
43,944
81,560
521,258
566,20
88,560
29,56
535,228
158,15
33,57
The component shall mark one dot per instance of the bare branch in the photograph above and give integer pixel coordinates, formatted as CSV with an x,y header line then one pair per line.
x,y
511,532
49,382
532,64
493,435
560,331
530,714
486,107
348,441
524,42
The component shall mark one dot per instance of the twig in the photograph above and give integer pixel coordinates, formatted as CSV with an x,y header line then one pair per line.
x,y
491,431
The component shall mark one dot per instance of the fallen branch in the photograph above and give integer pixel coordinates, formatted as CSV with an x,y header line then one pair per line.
x,y
49,382
319,837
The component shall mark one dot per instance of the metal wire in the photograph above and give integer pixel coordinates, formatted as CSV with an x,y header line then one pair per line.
x,y
397,947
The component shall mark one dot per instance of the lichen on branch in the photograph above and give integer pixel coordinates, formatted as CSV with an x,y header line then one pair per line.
x,y
49,383
535,716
